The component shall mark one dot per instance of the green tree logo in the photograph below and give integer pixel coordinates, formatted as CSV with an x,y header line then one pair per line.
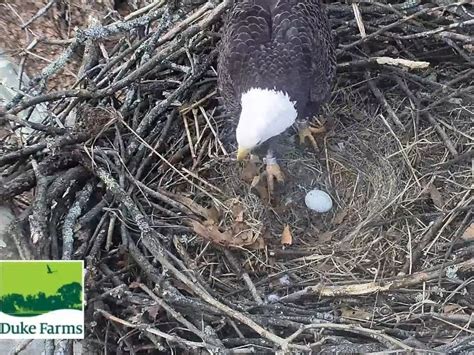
x,y
33,288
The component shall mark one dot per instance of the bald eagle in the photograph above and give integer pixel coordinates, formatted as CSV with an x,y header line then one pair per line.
x,y
275,68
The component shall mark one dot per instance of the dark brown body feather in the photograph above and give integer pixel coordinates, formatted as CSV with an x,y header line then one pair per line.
x,y
282,44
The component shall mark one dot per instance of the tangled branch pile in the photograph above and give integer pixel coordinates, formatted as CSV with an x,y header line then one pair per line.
x,y
131,169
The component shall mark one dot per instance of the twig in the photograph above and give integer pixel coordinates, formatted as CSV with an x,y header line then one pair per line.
x,y
181,319
374,334
245,276
20,347
431,119
38,14
421,244
33,125
147,328
374,287
460,158
379,95
52,145
27,180
20,238
54,96
82,198
442,134
439,29
383,61
38,217
393,25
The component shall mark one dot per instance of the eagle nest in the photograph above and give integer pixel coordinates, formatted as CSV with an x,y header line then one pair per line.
x,y
131,166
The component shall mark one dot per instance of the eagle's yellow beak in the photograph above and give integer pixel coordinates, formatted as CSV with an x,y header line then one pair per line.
x,y
242,153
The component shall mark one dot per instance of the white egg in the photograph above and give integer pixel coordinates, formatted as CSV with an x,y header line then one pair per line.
x,y
318,201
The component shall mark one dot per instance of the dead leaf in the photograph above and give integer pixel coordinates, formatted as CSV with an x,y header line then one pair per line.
x,y
134,284
213,214
262,192
240,216
236,206
259,244
189,203
325,237
339,217
435,196
242,231
153,311
266,234
451,308
259,185
181,286
208,222
358,314
239,234
468,233
249,171
286,237
237,209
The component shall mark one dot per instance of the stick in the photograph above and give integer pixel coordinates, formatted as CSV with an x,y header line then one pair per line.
x,y
82,198
374,334
40,13
374,287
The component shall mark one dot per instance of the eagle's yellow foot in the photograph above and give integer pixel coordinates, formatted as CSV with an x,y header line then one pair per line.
x,y
273,172
305,131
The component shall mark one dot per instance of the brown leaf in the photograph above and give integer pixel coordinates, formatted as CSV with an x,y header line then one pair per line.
x,y
243,232
262,192
266,234
249,171
339,217
235,206
213,214
153,311
451,308
352,313
239,235
259,185
435,196
134,284
325,237
259,244
240,216
236,209
208,222
181,286
468,233
286,237
189,203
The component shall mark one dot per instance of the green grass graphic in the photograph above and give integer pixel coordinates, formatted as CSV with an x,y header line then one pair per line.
x,y
38,287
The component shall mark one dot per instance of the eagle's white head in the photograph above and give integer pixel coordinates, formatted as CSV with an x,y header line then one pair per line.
x,y
264,114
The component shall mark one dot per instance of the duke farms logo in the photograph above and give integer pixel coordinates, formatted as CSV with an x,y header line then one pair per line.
x,y
41,299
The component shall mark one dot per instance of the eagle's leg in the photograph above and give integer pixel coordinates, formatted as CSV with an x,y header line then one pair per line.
x,y
305,131
273,172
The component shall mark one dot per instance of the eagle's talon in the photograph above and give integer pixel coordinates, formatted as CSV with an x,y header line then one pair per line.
x,y
305,131
255,181
317,130
273,173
